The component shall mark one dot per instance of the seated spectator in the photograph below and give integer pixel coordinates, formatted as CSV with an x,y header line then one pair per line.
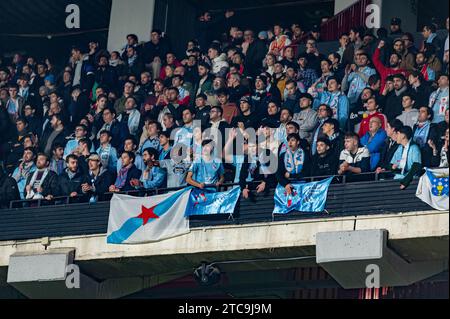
x,y
425,131
324,112
153,177
372,111
230,110
80,133
57,163
150,137
292,96
99,179
439,99
208,172
8,190
407,160
202,109
374,141
72,179
443,126
118,131
132,117
107,152
410,114
128,174
354,159
306,72
273,113
294,164
248,118
130,146
422,66
324,161
332,132
307,118
43,183
25,169
390,146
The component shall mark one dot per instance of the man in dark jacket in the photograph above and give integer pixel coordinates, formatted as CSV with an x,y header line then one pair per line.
x,y
72,178
394,106
43,183
424,132
390,145
8,189
127,173
324,162
99,179
255,53
57,135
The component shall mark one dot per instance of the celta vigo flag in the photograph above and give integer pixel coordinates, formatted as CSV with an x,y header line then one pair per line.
x,y
134,220
305,198
433,188
202,202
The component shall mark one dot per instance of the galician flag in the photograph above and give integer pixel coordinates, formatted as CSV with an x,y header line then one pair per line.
x,y
433,188
134,220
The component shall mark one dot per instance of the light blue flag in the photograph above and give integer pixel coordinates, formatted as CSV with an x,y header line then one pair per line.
x,y
305,197
202,202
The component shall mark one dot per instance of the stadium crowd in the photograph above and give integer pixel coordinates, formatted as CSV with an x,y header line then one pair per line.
x,y
113,121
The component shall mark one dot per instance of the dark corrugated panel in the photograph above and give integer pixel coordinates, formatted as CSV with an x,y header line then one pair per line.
x,y
79,219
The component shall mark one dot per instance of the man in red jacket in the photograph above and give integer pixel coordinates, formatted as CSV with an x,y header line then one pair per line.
x,y
394,62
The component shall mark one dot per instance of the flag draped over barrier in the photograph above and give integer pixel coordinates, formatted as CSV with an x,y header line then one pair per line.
x,y
305,197
134,220
212,203
433,188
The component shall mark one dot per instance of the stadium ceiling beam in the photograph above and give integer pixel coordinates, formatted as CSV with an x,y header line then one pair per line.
x,y
271,5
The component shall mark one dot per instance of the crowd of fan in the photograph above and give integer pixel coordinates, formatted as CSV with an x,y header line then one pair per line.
x,y
109,121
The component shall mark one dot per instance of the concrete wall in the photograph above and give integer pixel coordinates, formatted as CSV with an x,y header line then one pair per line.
x,y
403,9
130,17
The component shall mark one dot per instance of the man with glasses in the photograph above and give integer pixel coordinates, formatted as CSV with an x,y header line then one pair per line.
x,y
99,179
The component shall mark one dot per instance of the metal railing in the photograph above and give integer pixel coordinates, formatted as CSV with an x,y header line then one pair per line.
x,y
84,199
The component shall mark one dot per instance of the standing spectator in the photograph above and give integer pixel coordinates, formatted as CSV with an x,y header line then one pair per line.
x,y
107,152
57,162
394,68
219,65
423,67
230,110
280,43
306,74
393,107
117,130
372,108
420,89
255,51
410,114
8,190
15,103
439,99
430,37
336,100
357,77
390,146
307,118
294,164
208,171
407,161
132,117
423,132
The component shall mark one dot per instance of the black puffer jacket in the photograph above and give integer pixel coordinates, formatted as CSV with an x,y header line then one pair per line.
x,y
8,190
